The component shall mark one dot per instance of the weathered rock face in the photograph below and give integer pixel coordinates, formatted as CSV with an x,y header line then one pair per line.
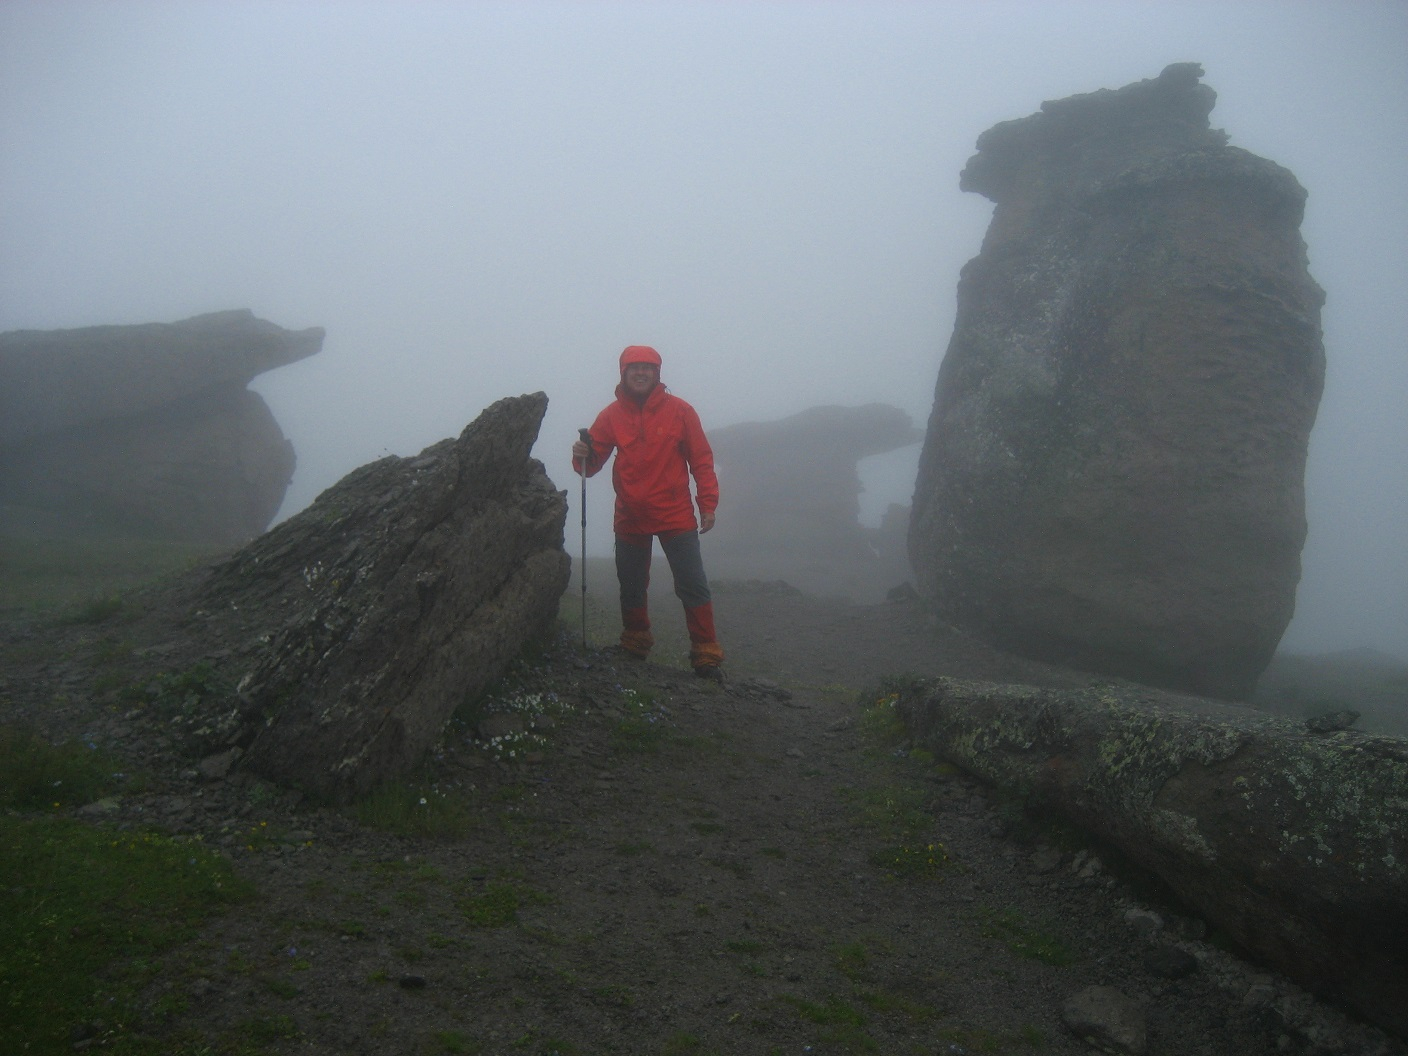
x,y
402,592
150,428
791,509
1289,840
1113,472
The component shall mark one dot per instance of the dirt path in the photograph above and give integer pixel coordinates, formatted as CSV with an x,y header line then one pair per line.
x,y
669,866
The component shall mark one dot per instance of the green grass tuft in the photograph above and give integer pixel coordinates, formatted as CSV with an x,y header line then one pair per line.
x,y
416,809
37,775
1023,938
83,911
644,727
906,862
497,905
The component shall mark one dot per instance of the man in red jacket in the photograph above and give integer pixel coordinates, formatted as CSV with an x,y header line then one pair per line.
x,y
659,443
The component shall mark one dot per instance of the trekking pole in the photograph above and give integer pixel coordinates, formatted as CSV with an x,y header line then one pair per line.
x,y
586,438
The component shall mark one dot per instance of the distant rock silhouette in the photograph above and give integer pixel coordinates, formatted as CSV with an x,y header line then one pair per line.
x,y
790,508
401,593
148,429
1112,476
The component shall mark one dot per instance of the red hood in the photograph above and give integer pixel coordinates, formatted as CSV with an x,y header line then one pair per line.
x,y
639,354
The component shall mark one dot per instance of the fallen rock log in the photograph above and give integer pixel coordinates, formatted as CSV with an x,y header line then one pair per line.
x,y
1293,842
402,592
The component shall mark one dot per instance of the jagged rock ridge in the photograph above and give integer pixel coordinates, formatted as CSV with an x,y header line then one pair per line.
x,y
400,594
1112,476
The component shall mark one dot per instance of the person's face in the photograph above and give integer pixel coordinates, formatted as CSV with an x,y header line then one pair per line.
x,y
640,378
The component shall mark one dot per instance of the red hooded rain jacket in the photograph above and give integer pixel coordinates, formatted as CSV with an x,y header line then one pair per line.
x,y
658,445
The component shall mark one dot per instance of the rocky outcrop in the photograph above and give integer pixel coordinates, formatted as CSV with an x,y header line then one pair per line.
x,y
1112,476
148,429
790,507
401,593
1290,841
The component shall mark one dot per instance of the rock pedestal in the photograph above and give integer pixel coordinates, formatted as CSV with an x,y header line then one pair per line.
x,y
1112,476
148,430
791,501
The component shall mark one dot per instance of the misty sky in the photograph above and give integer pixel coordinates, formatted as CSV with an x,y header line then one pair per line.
x,y
479,200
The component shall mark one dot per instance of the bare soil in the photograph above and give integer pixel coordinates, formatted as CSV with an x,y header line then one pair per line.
x,y
680,867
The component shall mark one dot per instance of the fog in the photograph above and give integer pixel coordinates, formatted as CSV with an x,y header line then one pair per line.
x,y
479,200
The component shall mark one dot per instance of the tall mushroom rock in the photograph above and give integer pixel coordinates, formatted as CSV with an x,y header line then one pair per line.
x,y
1113,472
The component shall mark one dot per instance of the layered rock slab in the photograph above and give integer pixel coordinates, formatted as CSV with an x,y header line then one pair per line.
x,y
1112,476
148,429
1291,842
401,593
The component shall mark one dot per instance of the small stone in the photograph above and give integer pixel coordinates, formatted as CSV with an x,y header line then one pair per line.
x,y
1144,922
1110,1021
106,805
1332,721
217,767
411,982
1046,860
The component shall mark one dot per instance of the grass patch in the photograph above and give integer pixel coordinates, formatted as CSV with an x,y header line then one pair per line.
x,y
80,580
455,1041
880,724
281,988
830,1012
264,1030
37,775
1023,938
644,727
83,911
497,904
183,692
746,946
844,1025
852,960
905,862
893,811
682,1044
417,809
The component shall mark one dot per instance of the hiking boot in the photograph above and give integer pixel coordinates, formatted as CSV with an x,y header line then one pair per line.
x,y
637,643
712,672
